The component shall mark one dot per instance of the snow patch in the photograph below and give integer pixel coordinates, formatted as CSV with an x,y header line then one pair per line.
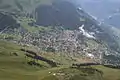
x,y
80,8
93,16
85,33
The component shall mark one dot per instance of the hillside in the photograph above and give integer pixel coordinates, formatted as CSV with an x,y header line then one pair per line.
x,y
55,15
45,25
113,20
110,13
14,67
48,39
21,6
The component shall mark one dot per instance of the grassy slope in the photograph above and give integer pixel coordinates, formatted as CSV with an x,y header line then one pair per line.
x,y
24,23
15,68
11,66
109,73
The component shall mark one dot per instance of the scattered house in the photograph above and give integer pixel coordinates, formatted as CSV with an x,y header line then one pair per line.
x,y
54,74
90,55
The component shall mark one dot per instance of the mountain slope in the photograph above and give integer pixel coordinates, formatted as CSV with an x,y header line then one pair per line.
x,y
55,28
61,21
110,10
37,34
113,20
22,6
72,18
